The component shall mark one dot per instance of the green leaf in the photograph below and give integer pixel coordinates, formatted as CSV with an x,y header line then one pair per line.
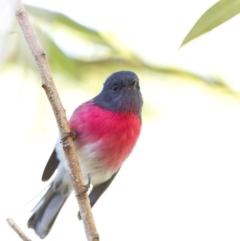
x,y
218,14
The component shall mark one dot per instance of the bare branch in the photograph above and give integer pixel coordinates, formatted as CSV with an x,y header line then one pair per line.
x,y
49,87
20,233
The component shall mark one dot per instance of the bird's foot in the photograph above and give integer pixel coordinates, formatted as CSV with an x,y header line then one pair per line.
x,y
68,134
85,188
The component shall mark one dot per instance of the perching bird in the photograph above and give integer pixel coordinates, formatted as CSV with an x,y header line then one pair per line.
x,y
107,128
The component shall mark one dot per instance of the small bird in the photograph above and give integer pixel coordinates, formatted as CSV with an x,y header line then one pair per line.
x,y
106,130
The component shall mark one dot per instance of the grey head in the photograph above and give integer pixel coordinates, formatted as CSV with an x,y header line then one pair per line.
x,y
121,93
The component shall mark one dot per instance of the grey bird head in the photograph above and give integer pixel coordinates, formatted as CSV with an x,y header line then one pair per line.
x,y
121,93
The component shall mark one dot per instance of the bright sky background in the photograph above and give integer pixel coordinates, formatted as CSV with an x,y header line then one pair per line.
x,y
182,181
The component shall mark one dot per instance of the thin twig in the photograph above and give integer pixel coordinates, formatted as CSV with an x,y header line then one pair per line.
x,y
15,227
52,94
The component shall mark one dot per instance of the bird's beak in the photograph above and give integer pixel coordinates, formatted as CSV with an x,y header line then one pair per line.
x,y
133,84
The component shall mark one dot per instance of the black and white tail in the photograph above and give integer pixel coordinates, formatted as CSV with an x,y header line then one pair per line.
x,y
46,211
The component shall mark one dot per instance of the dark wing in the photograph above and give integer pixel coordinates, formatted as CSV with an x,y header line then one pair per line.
x,y
98,190
50,167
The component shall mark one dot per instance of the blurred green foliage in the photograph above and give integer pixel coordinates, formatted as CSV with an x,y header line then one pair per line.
x,y
108,53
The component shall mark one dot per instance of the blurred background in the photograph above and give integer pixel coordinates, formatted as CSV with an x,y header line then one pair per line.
x,y
182,180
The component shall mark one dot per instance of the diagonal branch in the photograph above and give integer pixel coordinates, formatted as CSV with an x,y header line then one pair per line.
x,y
15,227
52,94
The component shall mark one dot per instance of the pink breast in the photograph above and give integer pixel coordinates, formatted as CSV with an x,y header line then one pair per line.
x,y
117,133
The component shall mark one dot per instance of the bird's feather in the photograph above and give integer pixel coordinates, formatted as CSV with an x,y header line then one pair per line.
x,y
50,167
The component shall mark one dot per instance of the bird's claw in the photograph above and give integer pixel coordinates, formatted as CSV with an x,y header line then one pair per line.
x,y
68,134
85,188
83,191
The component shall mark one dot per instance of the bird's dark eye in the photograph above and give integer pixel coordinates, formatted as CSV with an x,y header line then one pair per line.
x,y
115,88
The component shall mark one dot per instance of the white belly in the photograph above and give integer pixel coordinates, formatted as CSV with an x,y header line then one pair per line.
x,y
89,163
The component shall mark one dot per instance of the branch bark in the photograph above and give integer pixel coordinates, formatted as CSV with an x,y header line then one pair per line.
x,y
52,94
20,233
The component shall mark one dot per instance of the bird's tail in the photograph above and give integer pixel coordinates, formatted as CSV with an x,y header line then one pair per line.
x,y
46,211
